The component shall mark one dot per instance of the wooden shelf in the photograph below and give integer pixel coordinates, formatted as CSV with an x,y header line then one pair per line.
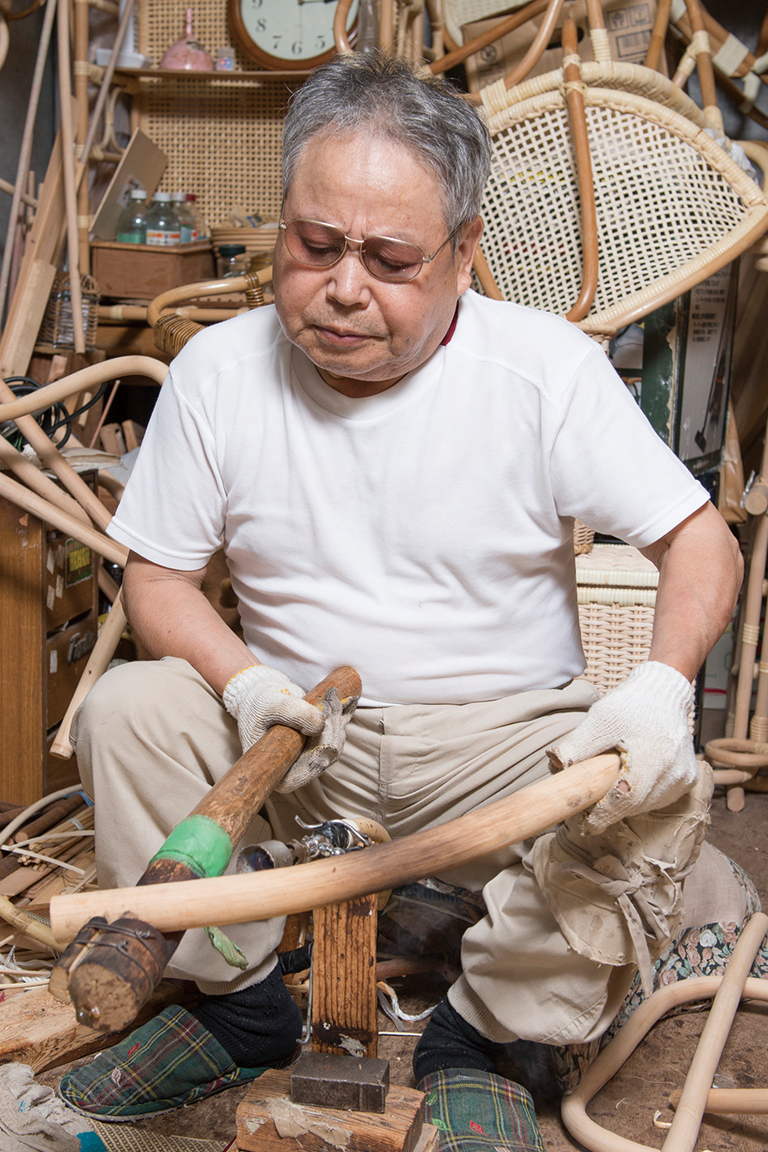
x,y
185,74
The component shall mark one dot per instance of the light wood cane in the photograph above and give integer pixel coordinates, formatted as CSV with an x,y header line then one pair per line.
x,y
740,749
257,896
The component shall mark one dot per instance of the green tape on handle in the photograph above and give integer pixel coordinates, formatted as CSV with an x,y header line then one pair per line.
x,y
200,843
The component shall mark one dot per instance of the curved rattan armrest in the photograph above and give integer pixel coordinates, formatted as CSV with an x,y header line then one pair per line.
x,y
757,152
205,288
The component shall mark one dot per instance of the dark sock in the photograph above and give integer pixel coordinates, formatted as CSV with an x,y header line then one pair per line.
x,y
448,1041
259,1025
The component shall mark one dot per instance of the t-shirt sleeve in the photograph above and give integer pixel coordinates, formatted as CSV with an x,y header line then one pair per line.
x,y
608,466
172,511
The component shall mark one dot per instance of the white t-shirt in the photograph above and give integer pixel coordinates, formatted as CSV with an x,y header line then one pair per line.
x,y
423,535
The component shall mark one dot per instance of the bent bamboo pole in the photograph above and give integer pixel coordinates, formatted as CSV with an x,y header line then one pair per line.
x,y
234,899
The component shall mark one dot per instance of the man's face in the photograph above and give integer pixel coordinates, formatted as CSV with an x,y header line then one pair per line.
x,y
362,333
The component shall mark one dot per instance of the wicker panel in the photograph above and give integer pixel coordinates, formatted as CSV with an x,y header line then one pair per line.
x,y
616,638
222,139
161,23
667,200
221,135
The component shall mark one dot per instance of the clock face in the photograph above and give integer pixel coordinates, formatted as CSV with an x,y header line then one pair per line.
x,y
286,33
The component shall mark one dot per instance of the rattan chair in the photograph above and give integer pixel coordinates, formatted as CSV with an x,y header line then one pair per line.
x,y
607,196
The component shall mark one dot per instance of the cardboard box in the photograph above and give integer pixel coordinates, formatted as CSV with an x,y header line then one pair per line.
x,y
629,24
142,271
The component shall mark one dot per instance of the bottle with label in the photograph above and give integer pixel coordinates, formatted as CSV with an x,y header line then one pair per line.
x,y
203,231
130,226
186,219
232,260
225,59
161,222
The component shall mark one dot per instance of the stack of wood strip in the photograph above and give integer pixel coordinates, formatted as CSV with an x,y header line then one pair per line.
x,y
47,849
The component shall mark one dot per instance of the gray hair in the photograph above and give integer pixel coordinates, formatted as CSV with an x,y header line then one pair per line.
x,y
383,96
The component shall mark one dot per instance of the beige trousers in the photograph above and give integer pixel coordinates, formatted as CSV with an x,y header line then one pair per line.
x,y
153,737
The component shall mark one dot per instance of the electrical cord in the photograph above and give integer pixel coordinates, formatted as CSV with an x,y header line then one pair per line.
x,y
51,419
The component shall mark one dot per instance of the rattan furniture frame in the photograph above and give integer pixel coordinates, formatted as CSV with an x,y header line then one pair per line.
x,y
696,1097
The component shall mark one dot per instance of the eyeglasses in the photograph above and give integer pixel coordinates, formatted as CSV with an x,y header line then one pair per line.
x,y
318,245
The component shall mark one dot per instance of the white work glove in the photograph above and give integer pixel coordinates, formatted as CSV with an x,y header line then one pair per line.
x,y
325,748
259,697
646,719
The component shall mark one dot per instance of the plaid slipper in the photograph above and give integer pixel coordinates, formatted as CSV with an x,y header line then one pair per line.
x,y
170,1061
477,1111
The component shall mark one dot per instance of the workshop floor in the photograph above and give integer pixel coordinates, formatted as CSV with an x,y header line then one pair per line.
x,y
628,1103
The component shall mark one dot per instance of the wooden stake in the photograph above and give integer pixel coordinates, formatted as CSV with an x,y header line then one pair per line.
x,y
70,185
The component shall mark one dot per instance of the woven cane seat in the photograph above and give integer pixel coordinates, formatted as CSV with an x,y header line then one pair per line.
x,y
672,206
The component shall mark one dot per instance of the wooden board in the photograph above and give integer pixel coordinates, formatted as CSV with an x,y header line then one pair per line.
x,y
267,1121
344,978
37,1030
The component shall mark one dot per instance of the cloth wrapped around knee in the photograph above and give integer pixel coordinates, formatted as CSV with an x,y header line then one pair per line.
x,y
617,896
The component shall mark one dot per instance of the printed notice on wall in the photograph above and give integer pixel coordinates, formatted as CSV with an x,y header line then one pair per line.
x,y
707,368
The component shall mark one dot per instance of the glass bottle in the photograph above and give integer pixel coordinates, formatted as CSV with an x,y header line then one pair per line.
x,y
225,59
161,222
368,26
203,231
232,261
186,219
130,226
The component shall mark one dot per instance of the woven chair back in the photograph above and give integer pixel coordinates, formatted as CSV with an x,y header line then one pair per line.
x,y
671,205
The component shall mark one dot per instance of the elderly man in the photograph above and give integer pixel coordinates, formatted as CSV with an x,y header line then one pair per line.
x,y
393,464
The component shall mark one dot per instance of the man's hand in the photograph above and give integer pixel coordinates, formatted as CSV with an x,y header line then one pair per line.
x,y
259,697
646,718
325,748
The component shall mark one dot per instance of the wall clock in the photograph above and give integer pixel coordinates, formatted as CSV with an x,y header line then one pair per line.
x,y
285,34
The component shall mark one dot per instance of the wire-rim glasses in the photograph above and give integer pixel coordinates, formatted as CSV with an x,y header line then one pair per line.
x,y
318,245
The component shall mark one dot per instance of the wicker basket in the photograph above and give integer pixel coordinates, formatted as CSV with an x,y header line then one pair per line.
x,y
583,538
257,241
616,588
56,331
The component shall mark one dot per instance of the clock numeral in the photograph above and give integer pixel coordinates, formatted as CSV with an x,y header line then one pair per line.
x,y
320,43
297,47
276,41
255,4
261,24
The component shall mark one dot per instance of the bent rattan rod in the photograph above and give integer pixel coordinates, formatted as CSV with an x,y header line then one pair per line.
x,y
728,991
85,378
222,900
204,288
578,121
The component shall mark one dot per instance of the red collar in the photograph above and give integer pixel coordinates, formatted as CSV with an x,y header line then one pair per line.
x,y
452,327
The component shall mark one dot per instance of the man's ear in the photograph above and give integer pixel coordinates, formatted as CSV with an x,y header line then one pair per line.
x,y
468,242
